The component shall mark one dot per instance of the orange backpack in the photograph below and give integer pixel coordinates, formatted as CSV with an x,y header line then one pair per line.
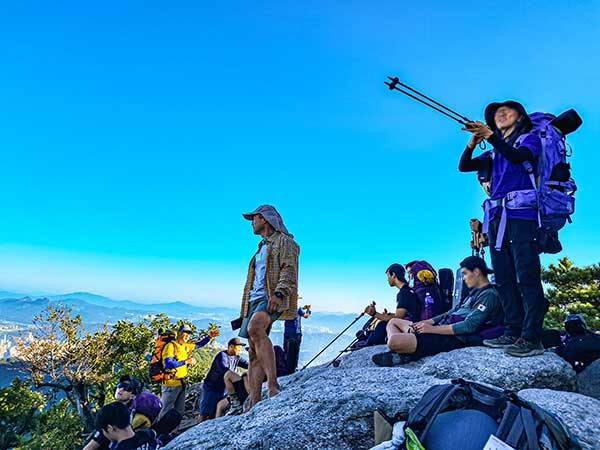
x,y
158,372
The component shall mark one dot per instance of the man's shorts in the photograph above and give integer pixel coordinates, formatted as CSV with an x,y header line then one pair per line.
x,y
208,403
260,304
432,344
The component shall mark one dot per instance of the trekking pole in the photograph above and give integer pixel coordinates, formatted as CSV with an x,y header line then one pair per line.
x,y
335,361
335,338
393,85
477,241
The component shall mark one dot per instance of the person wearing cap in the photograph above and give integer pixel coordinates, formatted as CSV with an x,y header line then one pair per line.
x,y
292,337
213,386
408,306
176,359
512,232
459,327
270,293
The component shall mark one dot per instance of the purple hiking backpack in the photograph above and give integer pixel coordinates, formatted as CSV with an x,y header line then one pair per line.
x,y
146,403
429,293
553,189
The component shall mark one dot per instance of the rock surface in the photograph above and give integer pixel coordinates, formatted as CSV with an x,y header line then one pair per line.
x,y
495,367
578,412
487,365
319,408
588,380
332,407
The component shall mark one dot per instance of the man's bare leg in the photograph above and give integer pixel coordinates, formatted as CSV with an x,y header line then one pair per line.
x,y
222,407
257,330
398,326
229,378
403,343
255,377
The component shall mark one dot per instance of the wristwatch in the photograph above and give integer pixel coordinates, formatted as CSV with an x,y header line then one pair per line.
x,y
278,294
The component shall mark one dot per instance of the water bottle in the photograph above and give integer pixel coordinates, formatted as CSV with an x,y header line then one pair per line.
x,y
428,305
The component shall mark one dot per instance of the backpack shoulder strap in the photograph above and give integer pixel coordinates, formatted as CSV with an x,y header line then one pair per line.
x,y
530,427
435,407
510,428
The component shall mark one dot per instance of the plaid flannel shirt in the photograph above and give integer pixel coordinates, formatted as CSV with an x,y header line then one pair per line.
x,y
281,274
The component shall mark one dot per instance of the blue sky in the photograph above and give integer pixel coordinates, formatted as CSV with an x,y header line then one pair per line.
x,y
134,134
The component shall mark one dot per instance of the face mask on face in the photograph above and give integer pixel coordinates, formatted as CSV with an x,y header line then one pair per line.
x,y
411,282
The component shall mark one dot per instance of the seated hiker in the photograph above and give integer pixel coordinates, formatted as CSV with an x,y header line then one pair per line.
x,y
478,317
114,421
408,305
213,387
143,407
176,358
238,385
292,337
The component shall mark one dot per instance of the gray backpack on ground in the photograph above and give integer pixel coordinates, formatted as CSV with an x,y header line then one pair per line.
x,y
462,415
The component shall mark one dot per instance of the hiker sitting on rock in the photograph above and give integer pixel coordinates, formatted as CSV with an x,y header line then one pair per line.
x,y
238,386
479,316
511,221
213,386
408,306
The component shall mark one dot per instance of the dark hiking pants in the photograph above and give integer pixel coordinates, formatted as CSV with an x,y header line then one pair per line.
x,y
291,347
517,274
378,335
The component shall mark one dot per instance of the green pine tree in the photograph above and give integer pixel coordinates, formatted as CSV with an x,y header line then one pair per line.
x,y
572,290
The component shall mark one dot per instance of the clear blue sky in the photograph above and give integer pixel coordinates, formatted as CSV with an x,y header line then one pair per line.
x,y
134,134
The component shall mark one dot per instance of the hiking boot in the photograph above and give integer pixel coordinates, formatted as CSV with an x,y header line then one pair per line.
x,y
235,408
390,359
523,348
500,342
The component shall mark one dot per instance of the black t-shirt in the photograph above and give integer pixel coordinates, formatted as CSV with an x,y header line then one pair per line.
x,y
408,300
143,440
101,440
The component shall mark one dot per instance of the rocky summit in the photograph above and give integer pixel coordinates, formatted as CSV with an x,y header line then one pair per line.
x,y
332,407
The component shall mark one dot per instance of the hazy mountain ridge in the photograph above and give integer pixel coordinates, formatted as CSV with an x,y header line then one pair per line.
x,y
318,330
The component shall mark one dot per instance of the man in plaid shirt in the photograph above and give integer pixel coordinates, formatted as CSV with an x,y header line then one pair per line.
x,y
270,294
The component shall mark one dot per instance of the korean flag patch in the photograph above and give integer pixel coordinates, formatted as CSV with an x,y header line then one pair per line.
x,y
481,307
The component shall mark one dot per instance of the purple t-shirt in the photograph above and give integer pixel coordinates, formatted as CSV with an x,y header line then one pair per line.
x,y
508,177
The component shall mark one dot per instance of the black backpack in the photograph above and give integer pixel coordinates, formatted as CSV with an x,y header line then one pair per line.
x,y
446,278
580,350
520,424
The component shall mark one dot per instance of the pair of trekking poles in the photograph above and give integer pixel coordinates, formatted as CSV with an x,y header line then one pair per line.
x,y
394,84
478,241
335,339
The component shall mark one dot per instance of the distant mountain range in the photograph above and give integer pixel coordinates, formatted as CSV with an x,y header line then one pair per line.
x,y
95,310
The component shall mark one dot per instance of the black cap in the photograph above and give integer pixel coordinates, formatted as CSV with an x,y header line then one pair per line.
x,y
185,328
475,262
